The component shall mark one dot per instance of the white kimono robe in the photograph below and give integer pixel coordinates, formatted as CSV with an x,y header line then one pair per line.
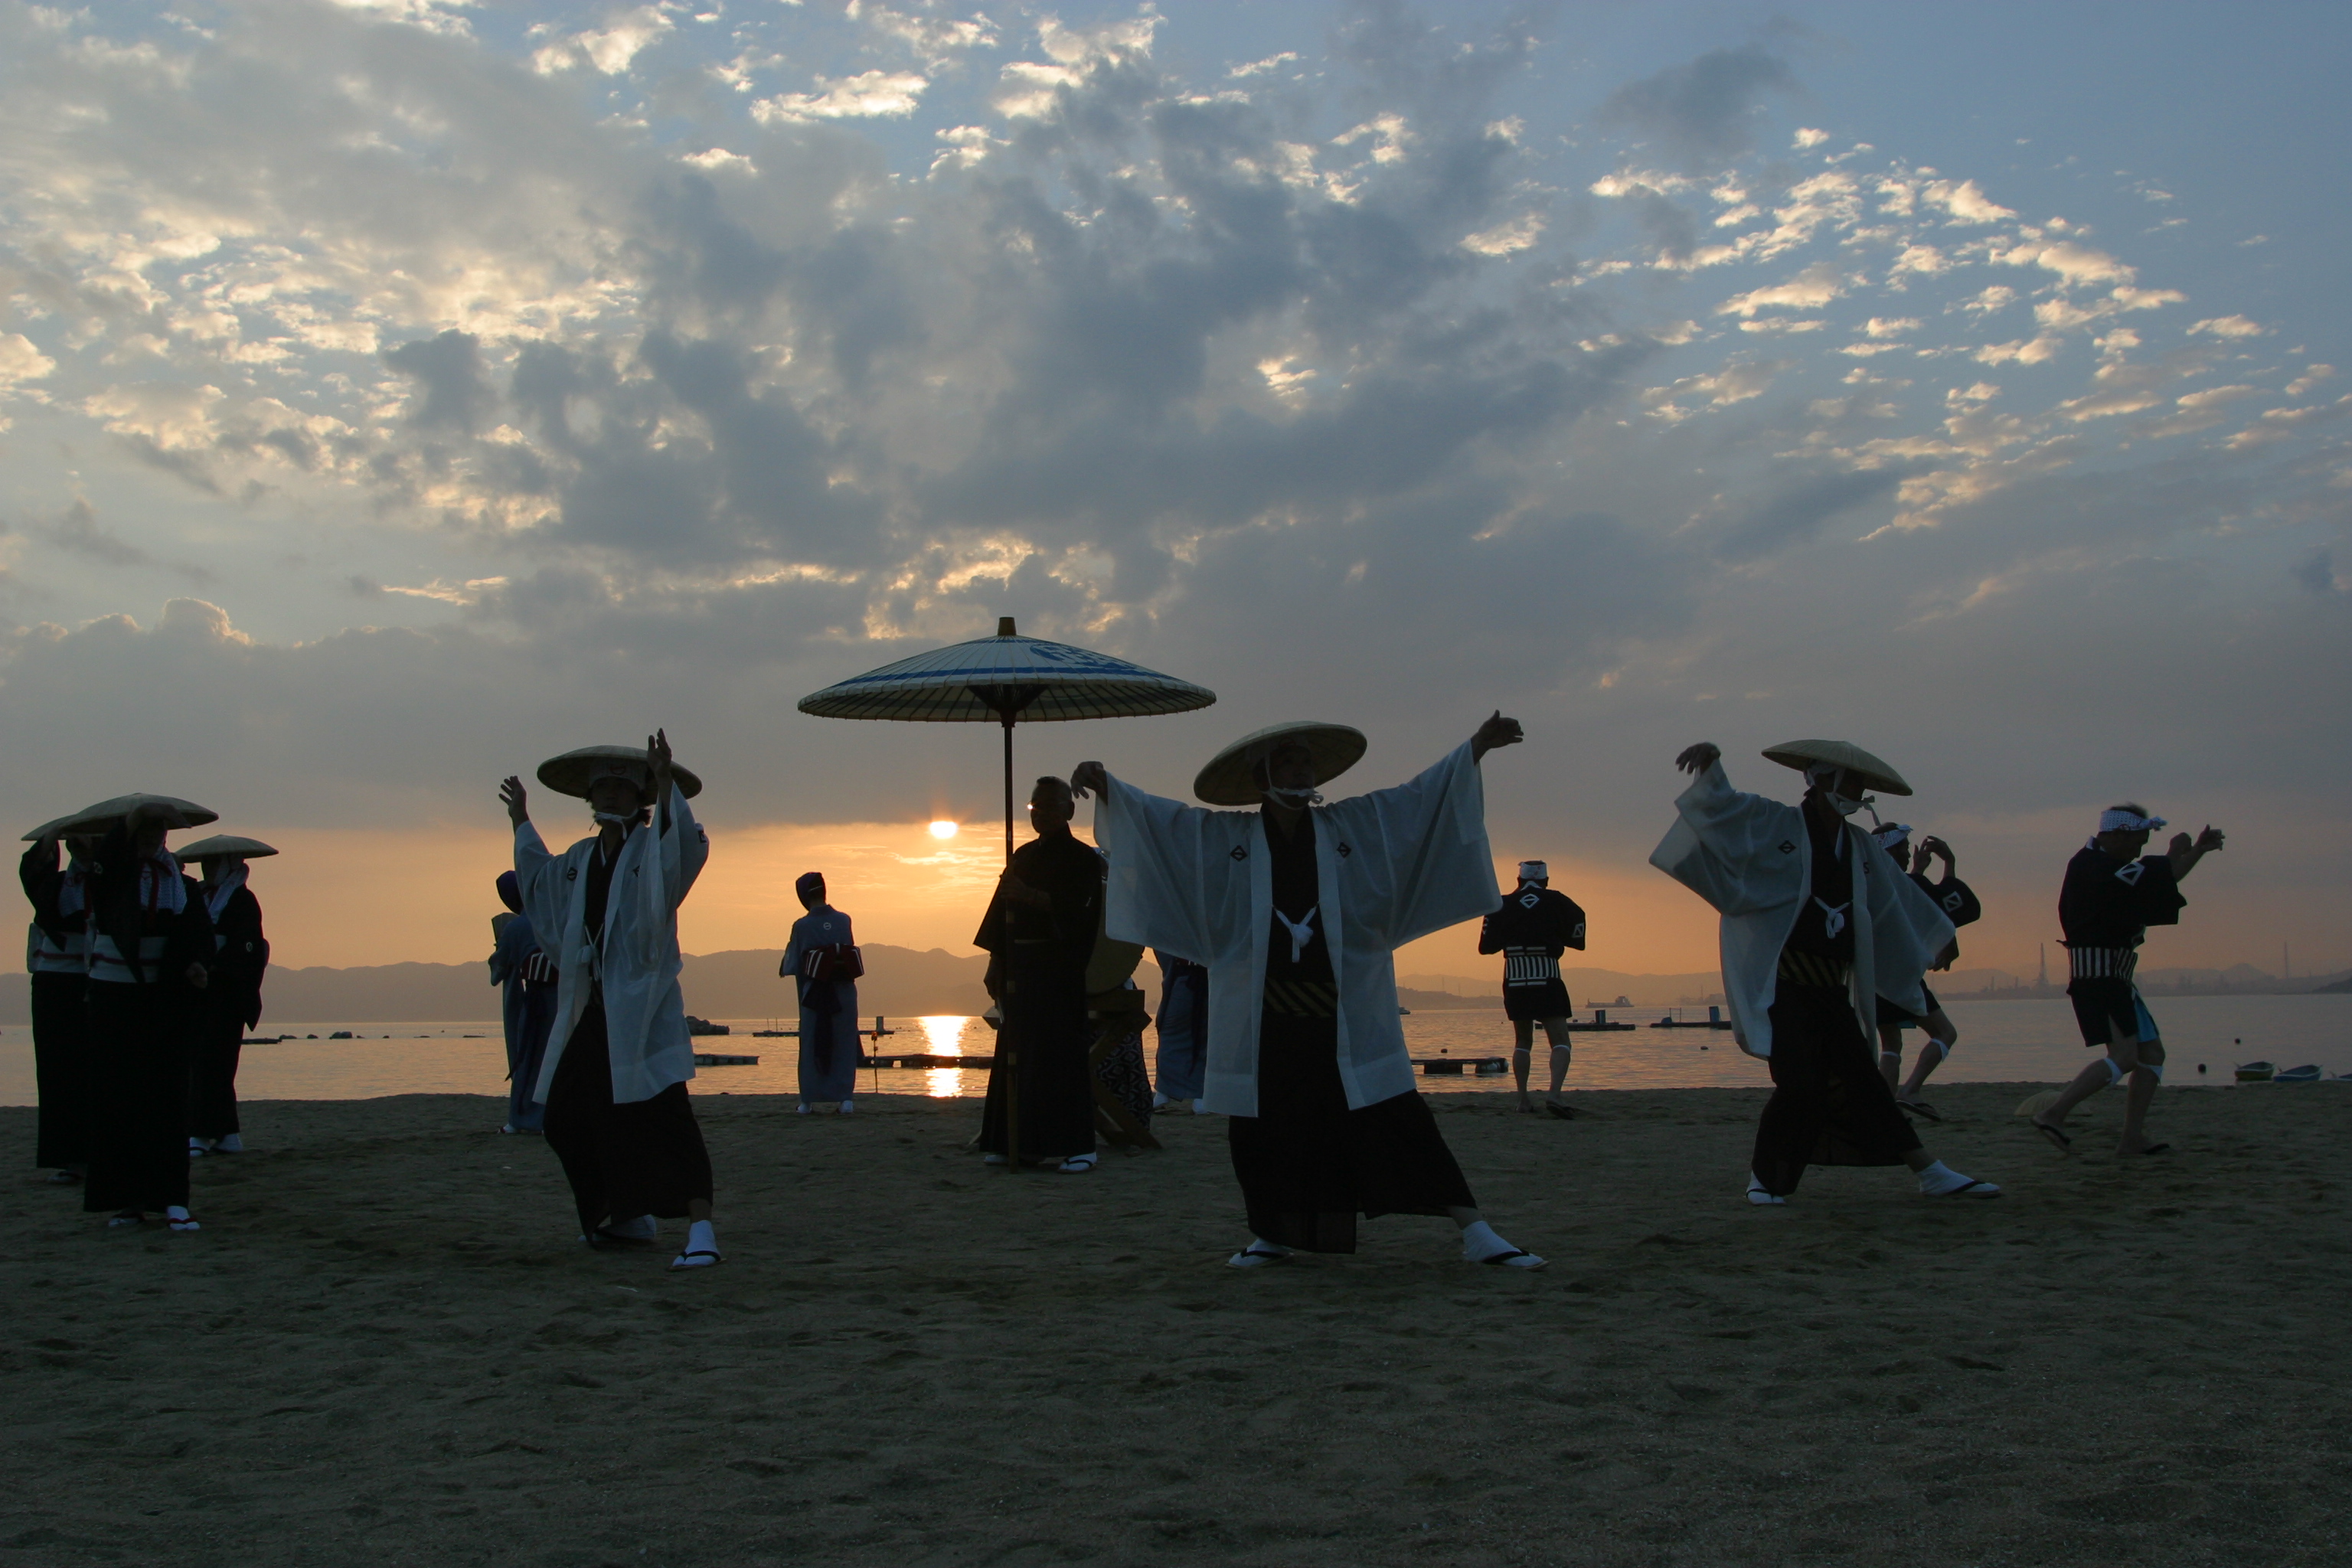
x,y
1751,858
1390,866
645,1011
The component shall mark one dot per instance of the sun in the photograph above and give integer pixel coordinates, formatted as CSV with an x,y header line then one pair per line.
x,y
943,830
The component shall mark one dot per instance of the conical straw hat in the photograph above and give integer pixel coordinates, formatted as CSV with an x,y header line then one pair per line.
x,y
571,772
1804,755
1231,777
223,843
170,810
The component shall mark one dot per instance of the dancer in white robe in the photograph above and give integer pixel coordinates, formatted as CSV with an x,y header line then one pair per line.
x,y
1816,925
614,1081
1298,909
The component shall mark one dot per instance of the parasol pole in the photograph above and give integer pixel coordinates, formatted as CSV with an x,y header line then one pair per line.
x,y
1007,701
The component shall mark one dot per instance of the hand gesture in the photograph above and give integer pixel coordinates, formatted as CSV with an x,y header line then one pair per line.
x,y
1699,758
2208,840
1087,777
658,752
1496,731
512,796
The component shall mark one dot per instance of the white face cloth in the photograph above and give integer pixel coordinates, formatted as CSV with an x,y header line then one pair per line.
x,y
1534,872
162,885
1296,797
1821,775
218,894
2121,821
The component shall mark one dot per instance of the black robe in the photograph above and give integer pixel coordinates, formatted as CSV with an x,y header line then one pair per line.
x,y
622,1160
140,1034
1829,1106
1306,1163
60,1007
1532,930
231,1005
1037,972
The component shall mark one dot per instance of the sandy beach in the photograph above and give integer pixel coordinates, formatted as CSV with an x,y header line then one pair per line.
x,y
385,1347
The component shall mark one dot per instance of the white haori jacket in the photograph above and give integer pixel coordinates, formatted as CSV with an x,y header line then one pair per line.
x,y
1390,866
645,1011
1751,858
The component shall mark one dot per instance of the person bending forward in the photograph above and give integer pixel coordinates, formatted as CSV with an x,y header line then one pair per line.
x,y
613,1082
1816,925
1298,908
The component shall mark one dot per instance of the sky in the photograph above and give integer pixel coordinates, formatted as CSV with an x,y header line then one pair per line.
x,y
396,392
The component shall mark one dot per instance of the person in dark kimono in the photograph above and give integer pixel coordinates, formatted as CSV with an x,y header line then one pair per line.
x,y
1184,1031
57,951
1299,907
231,999
1532,930
151,946
1938,1033
1817,923
2110,897
1039,932
526,977
823,963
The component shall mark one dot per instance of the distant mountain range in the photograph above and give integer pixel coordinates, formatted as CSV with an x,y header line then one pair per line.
x,y
902,982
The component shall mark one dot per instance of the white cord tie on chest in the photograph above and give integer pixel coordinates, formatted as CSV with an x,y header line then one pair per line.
x,y
1302,931
1833,918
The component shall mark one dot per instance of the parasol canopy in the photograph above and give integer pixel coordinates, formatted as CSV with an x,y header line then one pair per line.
x,y
172,811
975,682
224,844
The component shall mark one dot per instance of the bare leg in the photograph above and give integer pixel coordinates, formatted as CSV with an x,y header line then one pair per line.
x,y
1560,1053
1942,1037
1890,1053
1523,1037
2137,1096
2123,1054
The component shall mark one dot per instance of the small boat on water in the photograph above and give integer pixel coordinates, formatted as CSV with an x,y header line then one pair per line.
x,y
2257,1072
2308,1073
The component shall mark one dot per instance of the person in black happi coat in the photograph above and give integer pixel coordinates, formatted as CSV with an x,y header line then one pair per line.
x,y
1532,930
1939,1034
1051,895
151,947
231,999
57,951
2111,895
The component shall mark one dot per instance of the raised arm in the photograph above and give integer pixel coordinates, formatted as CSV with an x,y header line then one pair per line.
x,y
2185,853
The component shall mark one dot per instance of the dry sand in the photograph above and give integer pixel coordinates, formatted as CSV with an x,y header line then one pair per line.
x,y
386,1348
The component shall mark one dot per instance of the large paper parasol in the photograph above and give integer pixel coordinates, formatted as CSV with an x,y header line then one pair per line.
x,y
1006,679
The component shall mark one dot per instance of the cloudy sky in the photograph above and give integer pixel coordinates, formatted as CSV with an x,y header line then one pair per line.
x,y
395,392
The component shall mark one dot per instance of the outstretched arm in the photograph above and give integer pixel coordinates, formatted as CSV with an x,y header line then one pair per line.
x,y
1699,758
1496,731
2184,854
1089,777
512,796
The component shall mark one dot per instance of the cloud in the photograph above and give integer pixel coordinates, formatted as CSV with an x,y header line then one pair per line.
x,y
873,94
1703,113
1808,290
20,362
2228,327
609,49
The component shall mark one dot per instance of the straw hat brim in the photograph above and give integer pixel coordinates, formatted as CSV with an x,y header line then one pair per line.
x,y
571,772
1231,777
168,809
1875,772
224,844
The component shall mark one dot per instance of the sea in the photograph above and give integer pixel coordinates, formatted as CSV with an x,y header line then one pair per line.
x,y
2000,1042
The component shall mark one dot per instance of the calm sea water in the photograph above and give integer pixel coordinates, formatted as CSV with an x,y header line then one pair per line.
x,y
2000,1042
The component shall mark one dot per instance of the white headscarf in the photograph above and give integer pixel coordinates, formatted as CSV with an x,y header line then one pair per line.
x,y
219,893
2117,820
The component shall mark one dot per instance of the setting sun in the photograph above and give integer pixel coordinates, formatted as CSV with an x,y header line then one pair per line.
x,y
943,830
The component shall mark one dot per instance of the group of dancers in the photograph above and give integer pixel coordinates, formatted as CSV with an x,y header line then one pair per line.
x,y
1287,909
143,982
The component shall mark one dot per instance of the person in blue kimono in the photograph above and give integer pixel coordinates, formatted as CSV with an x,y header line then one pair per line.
x,y
1183,1030
822,964
528,977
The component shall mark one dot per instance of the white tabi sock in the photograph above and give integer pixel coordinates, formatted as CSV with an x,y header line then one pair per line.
x,y
1940,1178
701,1236
1479,1240
645,1227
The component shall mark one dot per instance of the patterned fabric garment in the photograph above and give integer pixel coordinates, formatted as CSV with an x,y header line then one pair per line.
x,y
1121,1071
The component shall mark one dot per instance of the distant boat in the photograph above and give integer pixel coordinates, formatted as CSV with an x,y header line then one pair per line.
x,y
2257,1072
2308,1073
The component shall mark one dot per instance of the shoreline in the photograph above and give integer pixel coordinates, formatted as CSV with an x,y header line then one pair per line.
x,y
387,1345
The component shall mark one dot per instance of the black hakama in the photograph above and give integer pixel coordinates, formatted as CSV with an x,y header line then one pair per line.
x,y
1829,1106
623,1160
211,1072
1306,1163
1039,971
139,1065
61,1071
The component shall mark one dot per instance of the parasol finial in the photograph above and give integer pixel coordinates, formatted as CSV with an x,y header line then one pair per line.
x,y
1004,626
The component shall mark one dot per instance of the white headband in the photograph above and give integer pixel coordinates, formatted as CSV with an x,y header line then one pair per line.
x,y
1891,834
1534,872
2121,821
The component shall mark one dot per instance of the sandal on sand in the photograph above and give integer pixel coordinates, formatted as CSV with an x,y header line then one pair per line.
x,y
695,1257
1077,1164
1763,1196
2158,1149
1972,1189
128,1216
64,1179
2058,1139
1517,1258
182,1223
1254,1257
1919,1107
1565,1113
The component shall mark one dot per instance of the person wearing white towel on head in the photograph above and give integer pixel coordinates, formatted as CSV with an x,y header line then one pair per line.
x,y
2111,895
1816,926
614,1081
232,1002
1532,930
1297,908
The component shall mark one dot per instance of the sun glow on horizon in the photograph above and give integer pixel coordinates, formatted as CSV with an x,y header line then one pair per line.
x,y
943,830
